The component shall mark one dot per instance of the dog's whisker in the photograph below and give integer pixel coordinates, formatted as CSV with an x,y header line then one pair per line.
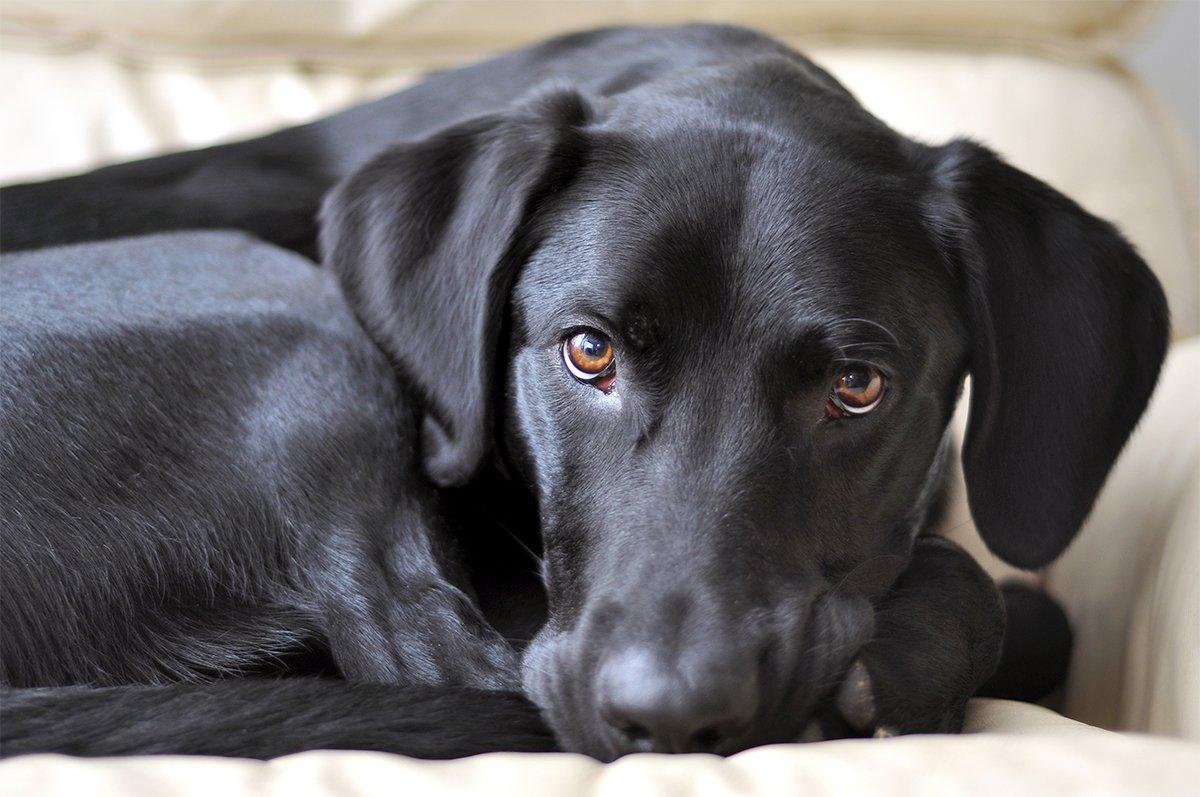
x,y
863,565
876,325
521,543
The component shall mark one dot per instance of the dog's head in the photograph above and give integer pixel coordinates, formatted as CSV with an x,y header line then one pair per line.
x,y
720,332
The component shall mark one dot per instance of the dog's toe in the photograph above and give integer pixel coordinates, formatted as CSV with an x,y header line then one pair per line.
x,y
856,699
813,732
851,711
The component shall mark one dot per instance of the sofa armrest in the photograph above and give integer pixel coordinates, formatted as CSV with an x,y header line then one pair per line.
x,y
1129,581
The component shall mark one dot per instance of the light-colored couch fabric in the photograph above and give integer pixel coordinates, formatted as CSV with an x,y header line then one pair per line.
x,y
1028,751
1131,580
420,33
94,81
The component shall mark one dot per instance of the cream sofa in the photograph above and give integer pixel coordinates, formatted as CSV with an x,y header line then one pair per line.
x,y
94,81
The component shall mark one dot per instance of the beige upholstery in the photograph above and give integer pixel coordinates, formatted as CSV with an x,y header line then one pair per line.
x,y
98,80
418,33
1131,580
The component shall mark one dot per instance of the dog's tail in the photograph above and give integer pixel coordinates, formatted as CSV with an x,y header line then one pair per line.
x,y
1036,654
268,718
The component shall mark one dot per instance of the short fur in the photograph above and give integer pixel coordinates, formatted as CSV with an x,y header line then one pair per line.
x,y
717,555
250,718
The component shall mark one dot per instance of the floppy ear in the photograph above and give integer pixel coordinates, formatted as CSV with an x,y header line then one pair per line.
x,y
427,238
1068,329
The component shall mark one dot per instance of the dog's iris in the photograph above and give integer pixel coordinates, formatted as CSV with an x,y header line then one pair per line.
x,y
858,390
590,358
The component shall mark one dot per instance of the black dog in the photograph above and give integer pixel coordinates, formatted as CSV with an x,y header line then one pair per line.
x,y
713,317
196,423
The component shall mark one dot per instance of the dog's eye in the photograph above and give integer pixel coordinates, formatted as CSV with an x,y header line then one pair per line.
x,y
590,358
857,391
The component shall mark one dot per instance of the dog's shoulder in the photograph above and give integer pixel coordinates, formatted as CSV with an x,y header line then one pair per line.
x,y
206,351
223,295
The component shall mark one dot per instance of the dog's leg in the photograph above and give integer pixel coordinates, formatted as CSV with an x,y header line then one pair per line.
x,y
268,718
937,639
1037,646
396,611
270,190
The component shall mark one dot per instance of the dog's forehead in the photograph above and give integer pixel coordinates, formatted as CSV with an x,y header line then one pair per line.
x,y
723,227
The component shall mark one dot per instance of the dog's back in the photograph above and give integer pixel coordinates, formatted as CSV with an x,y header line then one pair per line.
x,y
273,185
163,400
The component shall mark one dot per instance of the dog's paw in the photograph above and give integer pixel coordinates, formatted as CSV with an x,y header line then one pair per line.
x,y
855,702
856,708
937,638
865,707
850,713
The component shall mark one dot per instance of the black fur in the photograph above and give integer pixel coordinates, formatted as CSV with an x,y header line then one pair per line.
x,y
206,468
717,553
1060,308
248,718
1035,658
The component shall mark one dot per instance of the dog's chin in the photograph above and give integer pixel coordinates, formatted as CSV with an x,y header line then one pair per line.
x,y
546,684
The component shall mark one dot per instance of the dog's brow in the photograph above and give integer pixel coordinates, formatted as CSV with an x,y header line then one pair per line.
x,y
848,339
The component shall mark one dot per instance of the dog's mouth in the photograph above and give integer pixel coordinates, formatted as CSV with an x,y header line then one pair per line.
x,y
714,695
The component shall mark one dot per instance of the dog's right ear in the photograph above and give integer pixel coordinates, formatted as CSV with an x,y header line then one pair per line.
x,y
427,239
1068,329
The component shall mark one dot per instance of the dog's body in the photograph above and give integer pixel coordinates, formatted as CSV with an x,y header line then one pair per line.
x,y
223,431
724,537
223,487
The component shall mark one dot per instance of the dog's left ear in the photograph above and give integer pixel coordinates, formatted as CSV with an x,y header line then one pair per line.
x,y
427,239
1068,329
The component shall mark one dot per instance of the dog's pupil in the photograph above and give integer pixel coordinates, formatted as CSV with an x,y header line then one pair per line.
x,y
856,378
594,347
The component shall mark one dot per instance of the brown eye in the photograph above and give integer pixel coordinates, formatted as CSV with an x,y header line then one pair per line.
x,y
857,391
590,358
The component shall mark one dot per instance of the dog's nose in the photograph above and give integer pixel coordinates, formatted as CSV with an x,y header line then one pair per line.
x,y
657,707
